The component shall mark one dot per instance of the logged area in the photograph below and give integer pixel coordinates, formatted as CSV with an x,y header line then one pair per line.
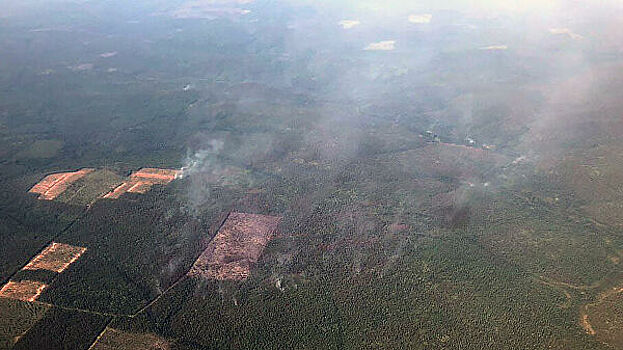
x,y
141,181
291,174
22,290
236,247
55,257
55,184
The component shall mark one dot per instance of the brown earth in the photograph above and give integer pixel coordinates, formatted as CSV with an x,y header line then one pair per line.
x,y
140,187
56,257
22,290
156,175
116,339
55,184
142,180
236,247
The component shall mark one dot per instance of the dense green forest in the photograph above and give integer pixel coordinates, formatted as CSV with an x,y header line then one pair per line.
x,y
460,190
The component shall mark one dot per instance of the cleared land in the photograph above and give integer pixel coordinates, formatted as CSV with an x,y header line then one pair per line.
x,y
156,175
141,181
56,257
117,339
55,184
22,290
90,188
237,245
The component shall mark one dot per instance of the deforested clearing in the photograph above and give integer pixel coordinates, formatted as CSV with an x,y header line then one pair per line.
x,y
236,247
56,257
55,184
22,290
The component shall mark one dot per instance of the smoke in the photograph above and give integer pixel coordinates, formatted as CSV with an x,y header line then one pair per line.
x,y
513,77
202,168
203,160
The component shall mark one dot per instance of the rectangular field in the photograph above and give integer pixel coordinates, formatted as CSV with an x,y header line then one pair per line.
x,y
142,180
156,175
55,257
236,247
22,290
55,184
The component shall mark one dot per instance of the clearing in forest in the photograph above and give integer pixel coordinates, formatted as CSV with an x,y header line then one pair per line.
x,y
237,245
22,290
142,180
55,184
56,257
117,339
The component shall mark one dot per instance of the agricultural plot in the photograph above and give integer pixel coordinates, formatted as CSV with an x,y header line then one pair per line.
x,y
55,184
122,271
56,257
85,186
141,181
90,188
27,224
236,247
114,339
22,290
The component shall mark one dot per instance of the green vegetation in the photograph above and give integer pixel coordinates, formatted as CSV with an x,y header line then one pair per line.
x,y
434,197
88,189
58,329
17,318
41,149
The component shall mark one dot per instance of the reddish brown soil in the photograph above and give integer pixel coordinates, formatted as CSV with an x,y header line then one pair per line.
x,y
140,187
236,247
118,191
156,175
113,339
56,257
22,290
142,180
55,184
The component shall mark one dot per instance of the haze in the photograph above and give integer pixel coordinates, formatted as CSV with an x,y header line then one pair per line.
x,y
289,174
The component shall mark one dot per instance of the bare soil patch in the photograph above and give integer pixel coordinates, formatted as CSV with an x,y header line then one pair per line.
x,y
22,290
53,185
141,181
116,339
156,175
236,247
56,257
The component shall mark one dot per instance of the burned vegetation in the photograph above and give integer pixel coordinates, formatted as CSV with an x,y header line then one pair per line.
x,y
252,175
236,247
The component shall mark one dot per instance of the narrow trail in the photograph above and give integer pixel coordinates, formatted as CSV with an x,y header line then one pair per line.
x,y
99,336
586,325
182,278
584,317
558,288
